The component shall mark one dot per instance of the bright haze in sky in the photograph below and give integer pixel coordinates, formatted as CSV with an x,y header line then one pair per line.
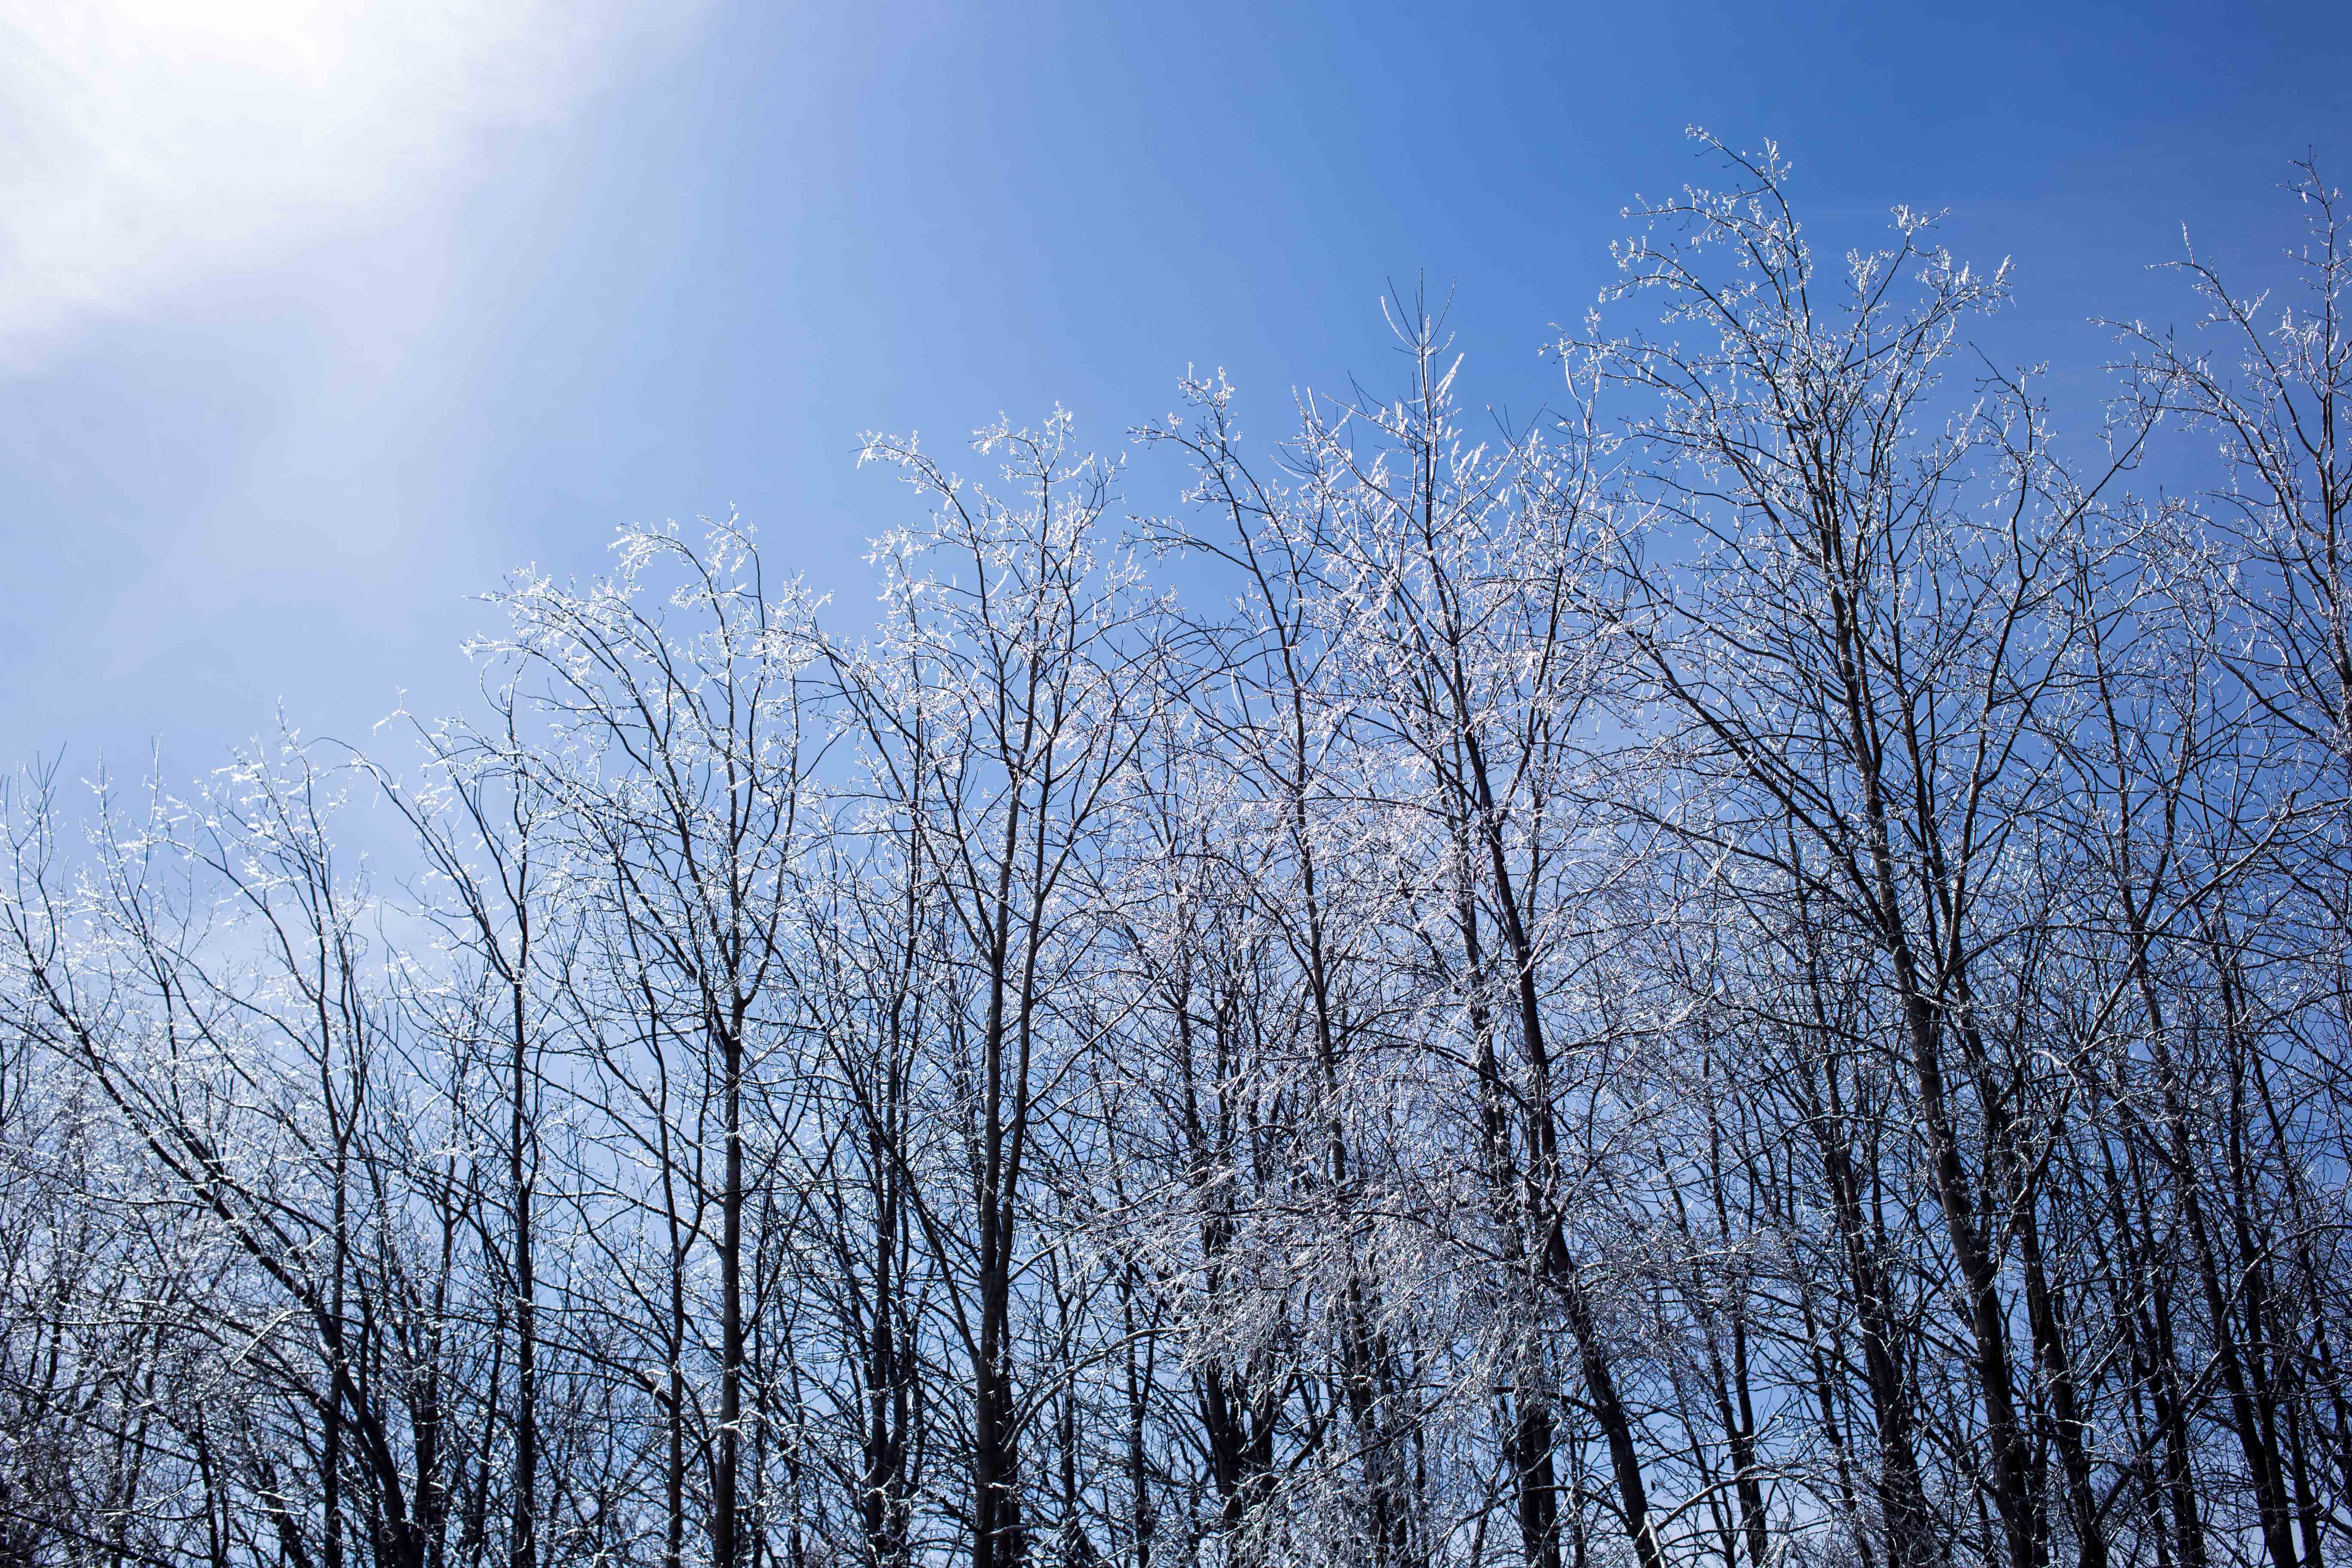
x,y
319,318
158,146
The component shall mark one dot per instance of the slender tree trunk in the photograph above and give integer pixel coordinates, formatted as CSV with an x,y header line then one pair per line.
x,y
726,1519
523,1540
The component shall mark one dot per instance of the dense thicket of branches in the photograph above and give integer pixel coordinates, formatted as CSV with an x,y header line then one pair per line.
x,y
1752,972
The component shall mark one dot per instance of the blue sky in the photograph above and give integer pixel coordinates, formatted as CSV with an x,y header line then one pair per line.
x,y
322,314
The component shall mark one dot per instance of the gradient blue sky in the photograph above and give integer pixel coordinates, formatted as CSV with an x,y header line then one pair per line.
x,y
324,313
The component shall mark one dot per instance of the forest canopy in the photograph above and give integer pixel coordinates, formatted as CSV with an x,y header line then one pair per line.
x,y
1752,971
